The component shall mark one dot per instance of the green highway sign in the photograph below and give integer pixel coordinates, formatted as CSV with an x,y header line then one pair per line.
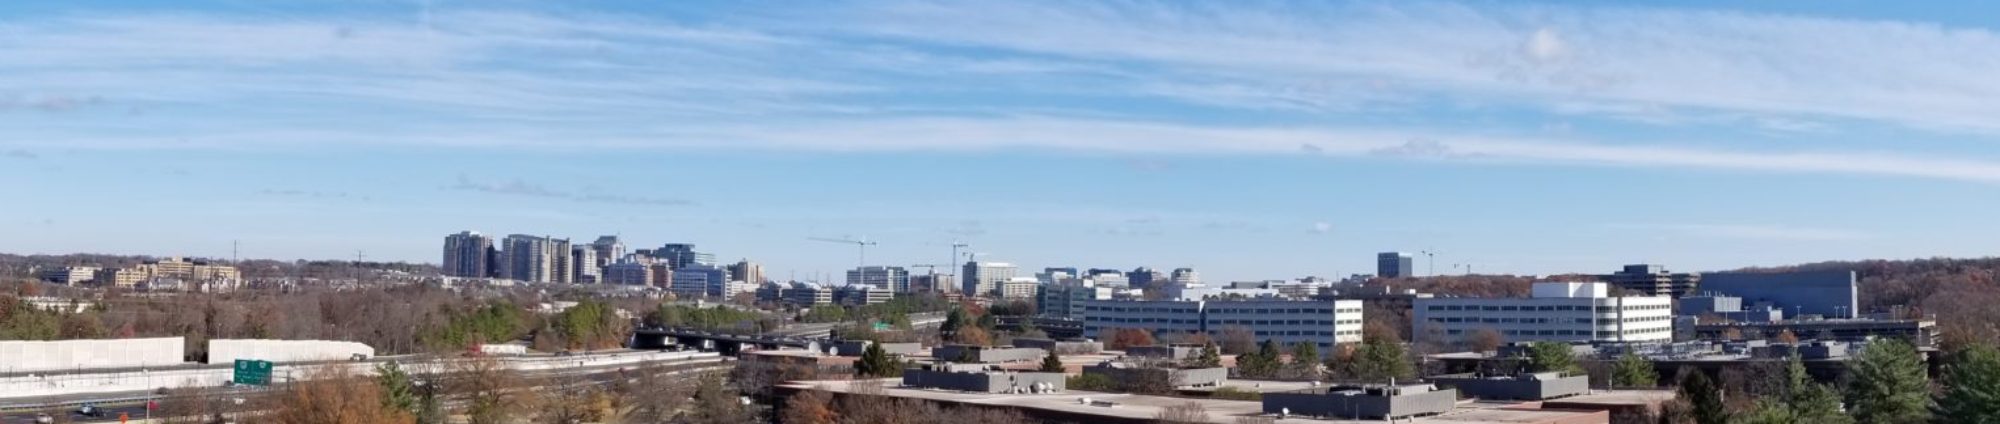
x,y
253,372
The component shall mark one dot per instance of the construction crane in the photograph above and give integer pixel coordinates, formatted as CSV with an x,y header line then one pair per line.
x,y
954,251
861,245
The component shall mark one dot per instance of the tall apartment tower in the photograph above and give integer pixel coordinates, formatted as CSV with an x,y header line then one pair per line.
x,y
986,277
530,258
563,269
465,255
583,258
746,271
1394,265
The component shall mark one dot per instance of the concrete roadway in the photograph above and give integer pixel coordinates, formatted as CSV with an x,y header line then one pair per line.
x,y
137,409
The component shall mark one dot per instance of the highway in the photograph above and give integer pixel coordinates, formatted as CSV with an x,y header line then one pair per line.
x,y
24,410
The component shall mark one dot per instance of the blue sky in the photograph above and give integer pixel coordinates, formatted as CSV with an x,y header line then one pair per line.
x,y
1247,139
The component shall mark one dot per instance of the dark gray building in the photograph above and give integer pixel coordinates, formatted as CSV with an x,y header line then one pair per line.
x,y
982,378
1535,386
1824,293
682,255
1654,280
1394,265
1363,402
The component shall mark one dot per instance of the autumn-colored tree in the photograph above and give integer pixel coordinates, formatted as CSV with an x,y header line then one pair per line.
x,y
814,406
1786,337
1123,338
333,394
973,335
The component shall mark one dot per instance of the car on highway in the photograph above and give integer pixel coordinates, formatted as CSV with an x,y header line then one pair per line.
x,y
44,419
90,410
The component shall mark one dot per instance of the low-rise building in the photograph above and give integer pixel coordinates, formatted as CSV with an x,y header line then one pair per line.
x,y
1160,374
1171,352
1919,331
1556,312
983,379
1362,402
119,277
985,354
1320,322
1531,386
69,275
855,295
807,294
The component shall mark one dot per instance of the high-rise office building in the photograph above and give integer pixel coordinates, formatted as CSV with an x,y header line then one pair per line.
x,y
984,278
682,255
584,259
1019,288
1394,265
609,250
529,258
1185,277
890,279
466,255
933,283
1145,278
748,272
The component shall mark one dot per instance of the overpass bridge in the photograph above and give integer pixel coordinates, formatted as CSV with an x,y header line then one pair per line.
x,y
1060,328
802,336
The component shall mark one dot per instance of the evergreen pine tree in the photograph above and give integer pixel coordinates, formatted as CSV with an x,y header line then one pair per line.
x,y
1634,371
1809,401
1052,363
952,321
1971,387
1888,385
1210,357
397,392
875,362
1704,399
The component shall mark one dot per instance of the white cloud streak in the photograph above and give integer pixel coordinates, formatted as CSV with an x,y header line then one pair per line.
x,y
891,76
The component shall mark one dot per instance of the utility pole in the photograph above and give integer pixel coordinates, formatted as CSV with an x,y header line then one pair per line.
x,y
1430,257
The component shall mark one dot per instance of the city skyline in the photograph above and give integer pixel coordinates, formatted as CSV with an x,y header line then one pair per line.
x,y
1248,141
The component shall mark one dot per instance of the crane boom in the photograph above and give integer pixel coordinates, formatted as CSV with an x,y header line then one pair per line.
x,y
860,245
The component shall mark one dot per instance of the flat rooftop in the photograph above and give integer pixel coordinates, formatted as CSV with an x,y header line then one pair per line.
x,y
1143,407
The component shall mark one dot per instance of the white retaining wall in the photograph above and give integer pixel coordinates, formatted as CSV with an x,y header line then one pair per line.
x,y
113,382
25,356
225,351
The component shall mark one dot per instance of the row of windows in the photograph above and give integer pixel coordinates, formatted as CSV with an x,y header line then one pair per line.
x,y
1191,321
1356,333
1506,308
1245,311
1600,334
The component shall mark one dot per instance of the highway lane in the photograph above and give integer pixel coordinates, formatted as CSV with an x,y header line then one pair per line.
x,y
122,403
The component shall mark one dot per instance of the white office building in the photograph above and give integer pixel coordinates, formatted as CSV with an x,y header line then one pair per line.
x,y
983,278
1019,288
1321,322
1066,300
1555,312
889,279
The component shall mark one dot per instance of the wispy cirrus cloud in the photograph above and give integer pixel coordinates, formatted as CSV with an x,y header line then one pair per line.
x,y
921,75
517,187
1749,232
